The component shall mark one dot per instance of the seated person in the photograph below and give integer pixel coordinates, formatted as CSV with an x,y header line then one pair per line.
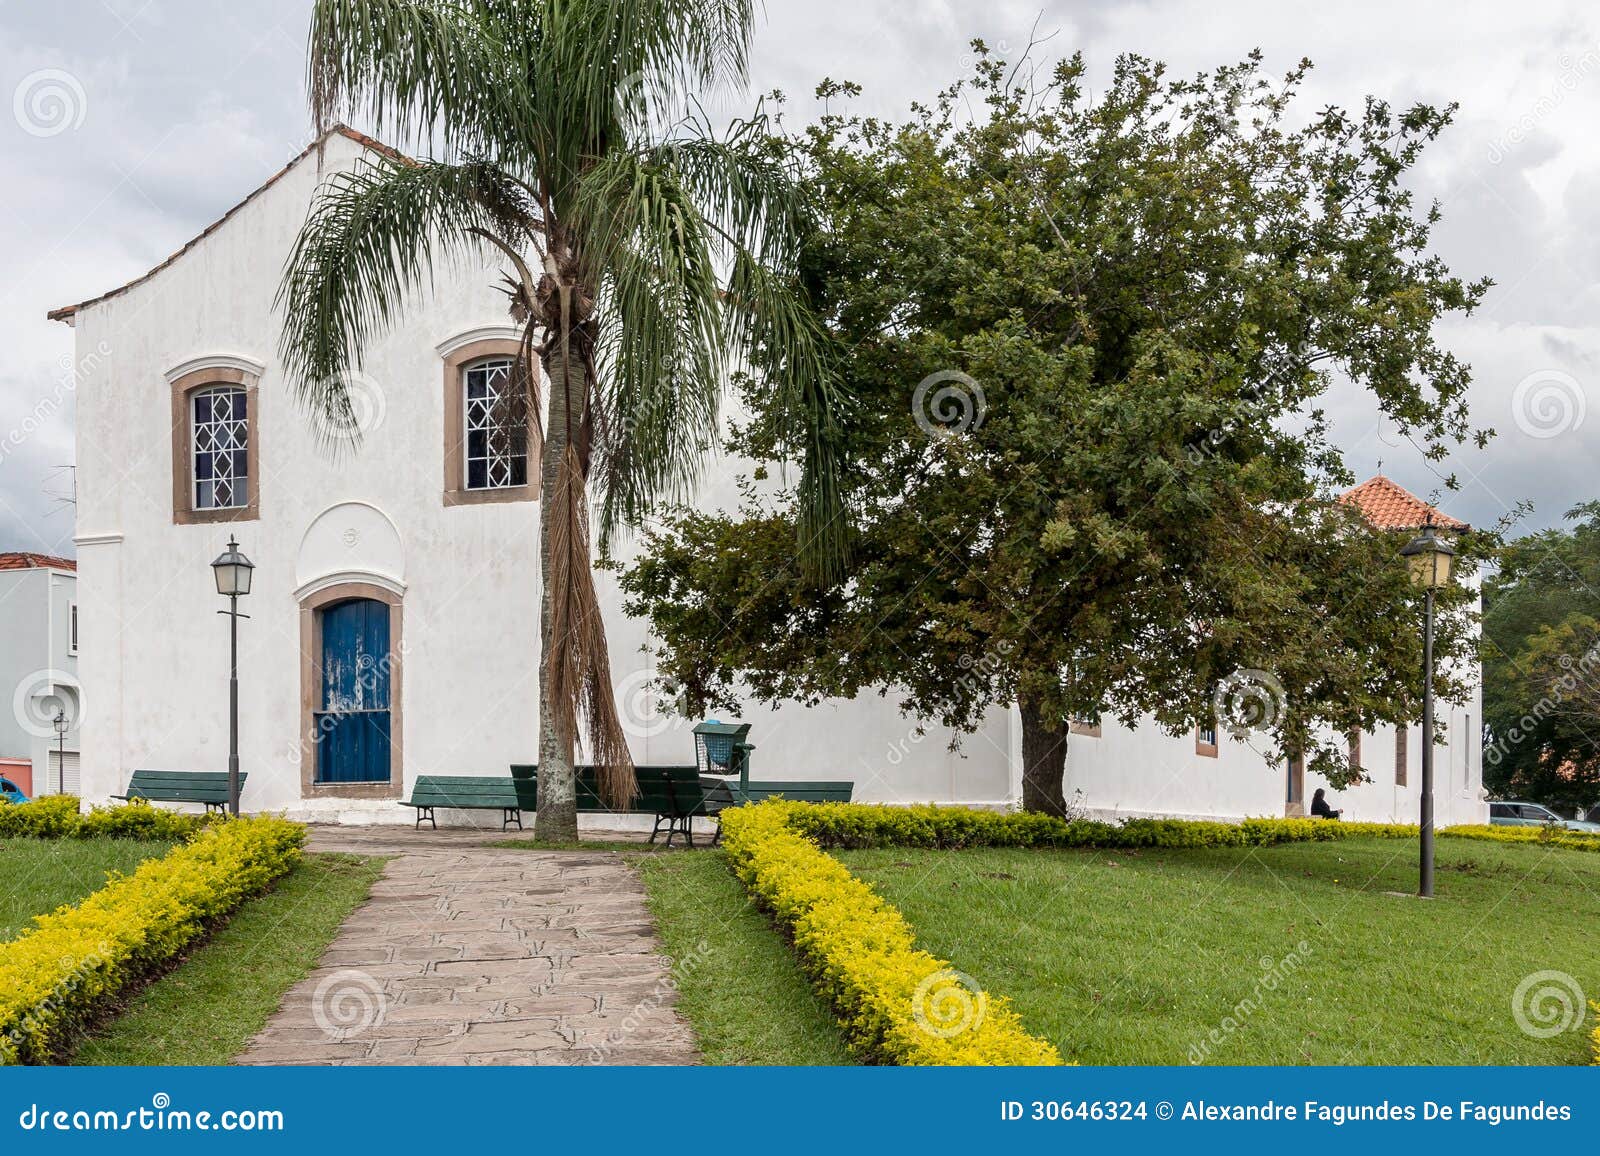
x,y
1320,808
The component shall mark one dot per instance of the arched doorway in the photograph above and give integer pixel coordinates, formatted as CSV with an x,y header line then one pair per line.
x,y
352,719
351,653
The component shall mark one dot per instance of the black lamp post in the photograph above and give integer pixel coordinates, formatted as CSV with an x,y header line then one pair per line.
x,y
60,723
1430,558
232,571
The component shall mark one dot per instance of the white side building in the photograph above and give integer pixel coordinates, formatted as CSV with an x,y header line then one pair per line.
x,y
393,626
39,667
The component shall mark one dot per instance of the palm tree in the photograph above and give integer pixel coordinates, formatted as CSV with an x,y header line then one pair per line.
x,y
647,259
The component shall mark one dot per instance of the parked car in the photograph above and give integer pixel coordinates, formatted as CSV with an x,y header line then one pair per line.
x,y
1517,814
10,792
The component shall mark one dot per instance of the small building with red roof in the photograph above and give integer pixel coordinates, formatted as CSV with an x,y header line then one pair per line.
x,y
39,668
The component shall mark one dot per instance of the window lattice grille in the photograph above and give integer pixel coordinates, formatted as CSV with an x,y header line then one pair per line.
x,y
497,448
221,448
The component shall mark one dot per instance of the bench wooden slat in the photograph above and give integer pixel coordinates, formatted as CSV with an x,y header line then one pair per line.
x,y
209,787
800,790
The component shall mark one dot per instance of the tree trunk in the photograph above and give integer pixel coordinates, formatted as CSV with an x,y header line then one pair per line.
x,y
1044,760
557,818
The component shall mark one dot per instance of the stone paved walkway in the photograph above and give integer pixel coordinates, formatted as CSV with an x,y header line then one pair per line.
x,y
468,954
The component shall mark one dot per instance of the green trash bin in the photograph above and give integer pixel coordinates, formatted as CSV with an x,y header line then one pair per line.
x,y
720,749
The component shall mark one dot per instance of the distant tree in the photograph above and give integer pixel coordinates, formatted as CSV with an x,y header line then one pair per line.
x,y
1541,698
645,257
1084,340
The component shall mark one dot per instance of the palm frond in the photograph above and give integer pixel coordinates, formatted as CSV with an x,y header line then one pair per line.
x,y
414,68
660,353
373,235
784,347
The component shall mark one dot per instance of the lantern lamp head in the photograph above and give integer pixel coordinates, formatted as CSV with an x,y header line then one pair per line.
x,y
1430,557
232,570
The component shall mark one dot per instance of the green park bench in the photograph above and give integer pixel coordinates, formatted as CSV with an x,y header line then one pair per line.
x,y
799,790
510,796
673,795
208,787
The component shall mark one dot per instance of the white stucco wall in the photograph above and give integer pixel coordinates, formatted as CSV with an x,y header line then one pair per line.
x,y
156,672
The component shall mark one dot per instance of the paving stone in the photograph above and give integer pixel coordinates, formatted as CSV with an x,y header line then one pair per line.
x,y
481,955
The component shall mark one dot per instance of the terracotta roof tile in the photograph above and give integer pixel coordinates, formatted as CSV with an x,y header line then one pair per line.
x,y
1392,507
66,312
21,560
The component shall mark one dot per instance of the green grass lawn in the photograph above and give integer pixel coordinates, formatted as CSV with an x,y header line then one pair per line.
x,y
1137,957
39,875
738,983
204,1010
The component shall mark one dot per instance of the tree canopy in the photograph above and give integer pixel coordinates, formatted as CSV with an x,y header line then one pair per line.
x,y
1541,701
1083,341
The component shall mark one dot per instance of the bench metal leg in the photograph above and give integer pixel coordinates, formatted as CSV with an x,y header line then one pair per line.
x,y
428,816
677,825
656,830
512,815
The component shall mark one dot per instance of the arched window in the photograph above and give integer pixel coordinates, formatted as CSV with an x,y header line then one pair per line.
x,y
216,451
490,454
496,451
219,438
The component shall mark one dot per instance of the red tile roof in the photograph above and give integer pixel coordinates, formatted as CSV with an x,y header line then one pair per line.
x,y
20,560
1392,507
66,312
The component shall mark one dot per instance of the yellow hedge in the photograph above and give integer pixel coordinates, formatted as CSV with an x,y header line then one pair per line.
x,y
1547,836
59,974
897,1005
853,825
60,817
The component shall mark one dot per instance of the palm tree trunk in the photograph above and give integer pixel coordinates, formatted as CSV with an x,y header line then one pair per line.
x,y
557,817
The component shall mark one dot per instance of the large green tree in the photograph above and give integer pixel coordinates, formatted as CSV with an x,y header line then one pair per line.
x,y
645,256
1084,340
1541,672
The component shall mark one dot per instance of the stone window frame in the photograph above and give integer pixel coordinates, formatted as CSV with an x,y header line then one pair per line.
x,y
185,381
311,602
1206,749
1295,790
458,354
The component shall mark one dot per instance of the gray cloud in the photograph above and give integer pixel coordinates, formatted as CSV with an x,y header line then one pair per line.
x,y
187,105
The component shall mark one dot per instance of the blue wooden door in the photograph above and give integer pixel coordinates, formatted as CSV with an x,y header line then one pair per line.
x,y
353,722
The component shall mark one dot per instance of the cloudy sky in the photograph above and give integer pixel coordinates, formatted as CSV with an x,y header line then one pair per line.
x,y
132,124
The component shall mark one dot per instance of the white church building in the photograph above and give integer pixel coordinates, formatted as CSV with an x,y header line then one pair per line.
x,y
415,558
